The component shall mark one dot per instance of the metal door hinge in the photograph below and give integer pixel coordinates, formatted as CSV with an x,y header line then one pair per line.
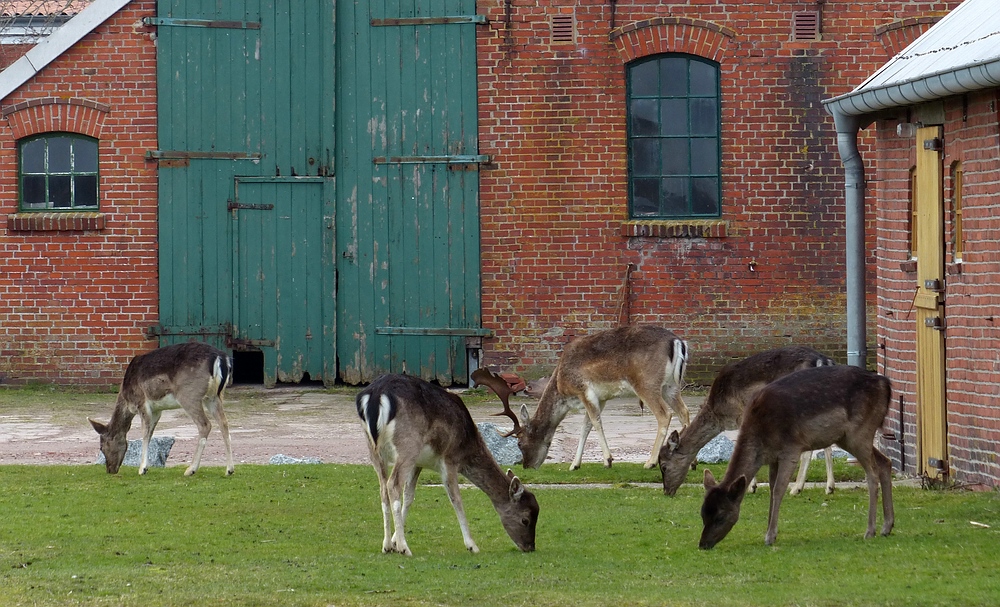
x,y
936,144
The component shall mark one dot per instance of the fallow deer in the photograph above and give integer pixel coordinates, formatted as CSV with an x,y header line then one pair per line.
x,y
733,389
643,360
191,376
809,409
412,424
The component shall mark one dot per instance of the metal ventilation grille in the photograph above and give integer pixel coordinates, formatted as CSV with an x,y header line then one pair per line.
x,y
562,29
805,25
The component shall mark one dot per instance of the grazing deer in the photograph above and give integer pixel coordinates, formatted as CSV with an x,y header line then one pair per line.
x,y
809,409
732,390
412,424
191,376
645,361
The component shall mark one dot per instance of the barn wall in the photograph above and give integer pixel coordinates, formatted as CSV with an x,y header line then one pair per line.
x,y
972,302
557,245
77,293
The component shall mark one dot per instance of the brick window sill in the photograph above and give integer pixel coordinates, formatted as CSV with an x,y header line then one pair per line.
x,y
55,222
677,228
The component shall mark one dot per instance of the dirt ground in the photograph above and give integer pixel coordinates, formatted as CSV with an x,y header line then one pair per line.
x,y
299,422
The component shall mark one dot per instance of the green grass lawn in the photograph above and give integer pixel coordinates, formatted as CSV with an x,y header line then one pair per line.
x,y
311,535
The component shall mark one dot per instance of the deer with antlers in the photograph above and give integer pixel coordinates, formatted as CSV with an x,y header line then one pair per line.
x,y
733,389
806,410
412,424
644,360
191,376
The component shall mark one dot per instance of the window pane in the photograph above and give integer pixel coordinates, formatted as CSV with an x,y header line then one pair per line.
x,y
646,197
59,154
703,79
704,117
675,156
59,193
705,156
646,157
705,196
33,190
85,194
644,119
674,195
644,80
84,156
33,156
673,113
673,75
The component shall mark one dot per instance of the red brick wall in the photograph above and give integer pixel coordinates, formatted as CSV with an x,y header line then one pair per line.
x,y
78,292
972,302
556,242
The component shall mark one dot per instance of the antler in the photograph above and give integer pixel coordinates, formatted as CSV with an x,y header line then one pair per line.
x,y
485,377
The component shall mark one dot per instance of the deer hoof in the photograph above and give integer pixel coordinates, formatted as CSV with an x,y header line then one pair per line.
x,y
190,471
607,463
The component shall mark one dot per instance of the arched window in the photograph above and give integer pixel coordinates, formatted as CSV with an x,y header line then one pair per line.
x,y
58,171
674,118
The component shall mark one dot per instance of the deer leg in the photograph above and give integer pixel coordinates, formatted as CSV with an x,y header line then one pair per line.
x,y
662,414
450,476
204,427
215,408
383,489
593,418
149,419
885,479
828,452
584,433
396,496
800,480
779,475
409,490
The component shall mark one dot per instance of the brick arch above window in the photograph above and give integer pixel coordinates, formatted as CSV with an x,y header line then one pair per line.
x,y
672,35
898,34
48,114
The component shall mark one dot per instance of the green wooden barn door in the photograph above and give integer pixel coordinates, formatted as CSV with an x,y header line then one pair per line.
x,y
246,189
408,208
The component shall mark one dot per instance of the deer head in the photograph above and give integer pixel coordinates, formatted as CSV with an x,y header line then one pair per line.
x,y
534,445
113,446
721,509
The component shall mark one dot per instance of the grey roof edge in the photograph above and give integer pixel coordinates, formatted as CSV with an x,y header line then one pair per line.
x,y
57,43
966,79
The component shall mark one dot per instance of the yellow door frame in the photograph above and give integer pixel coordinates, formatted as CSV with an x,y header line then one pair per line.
x,y
932,418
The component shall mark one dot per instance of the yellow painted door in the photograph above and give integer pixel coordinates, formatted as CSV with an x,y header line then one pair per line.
x,y
932,419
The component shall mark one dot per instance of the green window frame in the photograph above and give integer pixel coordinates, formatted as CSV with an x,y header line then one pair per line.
x,y
58,172
674,124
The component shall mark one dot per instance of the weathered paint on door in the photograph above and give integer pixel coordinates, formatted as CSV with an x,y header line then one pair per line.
x,y
407,205
246,120
932,415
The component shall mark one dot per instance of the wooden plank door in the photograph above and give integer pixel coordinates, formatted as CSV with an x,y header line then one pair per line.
x,y
932,414
408,187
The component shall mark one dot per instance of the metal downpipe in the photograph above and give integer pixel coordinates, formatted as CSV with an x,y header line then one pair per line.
x,y
854,198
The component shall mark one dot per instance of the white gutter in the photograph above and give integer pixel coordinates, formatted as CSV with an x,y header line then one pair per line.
x,y
855,110
49,49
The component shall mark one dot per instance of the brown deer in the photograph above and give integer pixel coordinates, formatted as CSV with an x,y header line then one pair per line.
x,y
412,424
807,410
643,360
191,376
733,389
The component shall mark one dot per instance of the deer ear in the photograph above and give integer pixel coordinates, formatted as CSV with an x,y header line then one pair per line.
x,y
738,488
525,416
98,426
709,479
673,440
516,488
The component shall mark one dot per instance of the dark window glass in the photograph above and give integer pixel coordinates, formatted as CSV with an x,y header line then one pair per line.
x,y
59,171
673,137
